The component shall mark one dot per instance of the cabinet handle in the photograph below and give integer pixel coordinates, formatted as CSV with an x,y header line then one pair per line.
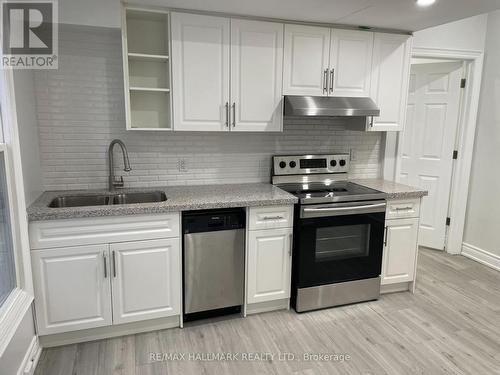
x,y
332,75
234,115
105,265
385,236
272,218
403,208
325,81
114,263
291,245
227,114
371,121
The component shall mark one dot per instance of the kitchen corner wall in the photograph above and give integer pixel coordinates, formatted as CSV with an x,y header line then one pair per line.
x,y
80,109
481,238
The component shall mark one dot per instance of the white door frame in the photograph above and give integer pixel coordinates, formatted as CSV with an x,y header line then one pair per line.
x,y
466,132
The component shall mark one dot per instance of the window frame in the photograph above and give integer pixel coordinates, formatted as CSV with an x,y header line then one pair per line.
x,y
10,202
15,307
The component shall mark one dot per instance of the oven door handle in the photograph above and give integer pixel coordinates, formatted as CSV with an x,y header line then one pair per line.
x,y
323,211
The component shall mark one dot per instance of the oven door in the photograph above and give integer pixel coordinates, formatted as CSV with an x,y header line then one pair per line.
x,y
338,242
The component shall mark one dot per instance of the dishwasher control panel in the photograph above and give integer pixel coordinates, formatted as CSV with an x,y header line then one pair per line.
x,y
213,220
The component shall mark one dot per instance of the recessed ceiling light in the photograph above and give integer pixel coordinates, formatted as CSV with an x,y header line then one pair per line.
x,y
425,3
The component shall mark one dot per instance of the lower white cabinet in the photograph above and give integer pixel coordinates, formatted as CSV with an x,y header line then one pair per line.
x,y
146,280
99,285
269,264
72,288
400,251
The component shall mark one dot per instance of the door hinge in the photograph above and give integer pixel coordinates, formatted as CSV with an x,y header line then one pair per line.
x,y
463,82
448,221
455,154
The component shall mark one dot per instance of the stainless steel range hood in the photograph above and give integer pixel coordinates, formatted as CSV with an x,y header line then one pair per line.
x,y
329,106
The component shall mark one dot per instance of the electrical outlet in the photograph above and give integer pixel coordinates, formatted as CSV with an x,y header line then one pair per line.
x,y
182,165
354,155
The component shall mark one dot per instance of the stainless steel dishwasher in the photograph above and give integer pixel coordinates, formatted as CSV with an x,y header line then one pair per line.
x,y
214,262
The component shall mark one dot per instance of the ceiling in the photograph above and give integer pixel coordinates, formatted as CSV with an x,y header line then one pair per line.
x,y
392,14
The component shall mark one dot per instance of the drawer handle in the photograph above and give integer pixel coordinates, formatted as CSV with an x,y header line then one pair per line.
x,y
404,208
273,217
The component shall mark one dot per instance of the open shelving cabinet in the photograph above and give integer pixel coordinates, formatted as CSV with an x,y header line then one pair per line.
x,y
146,69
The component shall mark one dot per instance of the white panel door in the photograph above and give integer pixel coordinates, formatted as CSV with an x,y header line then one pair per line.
x,y
72,288
146,279
200,72
389,80
269,263
256,75
306,60
428,142
400,251
350,63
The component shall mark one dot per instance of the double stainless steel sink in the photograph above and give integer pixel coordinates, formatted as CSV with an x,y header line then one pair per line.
x,y
107,199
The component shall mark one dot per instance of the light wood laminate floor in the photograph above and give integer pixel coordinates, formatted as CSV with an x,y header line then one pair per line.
x,y
450,326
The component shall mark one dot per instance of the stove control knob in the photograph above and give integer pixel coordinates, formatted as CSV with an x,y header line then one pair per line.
x,y
292,164
333,163
342,162
282,164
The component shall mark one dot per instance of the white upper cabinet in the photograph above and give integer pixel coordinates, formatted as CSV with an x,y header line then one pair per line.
x,y
350,63
146,69
205,66
327,62
306,62
200,72
390,76
256,75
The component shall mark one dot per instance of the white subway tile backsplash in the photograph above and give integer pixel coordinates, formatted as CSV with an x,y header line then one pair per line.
x,y
80,110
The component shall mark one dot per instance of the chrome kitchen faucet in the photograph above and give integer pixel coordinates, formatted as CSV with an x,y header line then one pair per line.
x,y
113,181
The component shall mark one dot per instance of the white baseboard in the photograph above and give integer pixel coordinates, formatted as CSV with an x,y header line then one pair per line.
x,y
481,256
394,288
256,308
92,334
31,358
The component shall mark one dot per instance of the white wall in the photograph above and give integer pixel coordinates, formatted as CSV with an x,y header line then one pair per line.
x,y
467,34
12,358
90,12
28,133
483,209
81,109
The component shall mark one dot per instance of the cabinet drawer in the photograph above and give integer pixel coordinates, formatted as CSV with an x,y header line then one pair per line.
x,y
88,231
403,209
270,217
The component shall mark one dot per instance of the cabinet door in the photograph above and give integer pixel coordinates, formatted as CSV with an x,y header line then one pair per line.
x,y
390,76
400,251
350,63
306,61
72,288
269,260
200,67
256,75
145,279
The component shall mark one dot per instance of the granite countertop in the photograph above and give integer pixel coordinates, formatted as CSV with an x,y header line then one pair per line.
x,y
198,197
179,198
392,189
